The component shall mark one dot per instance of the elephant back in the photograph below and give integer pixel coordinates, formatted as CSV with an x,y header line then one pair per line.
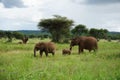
x,y
50,46
90,43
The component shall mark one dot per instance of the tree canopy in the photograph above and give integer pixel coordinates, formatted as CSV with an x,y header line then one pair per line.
x,y
58,26
99,33
79,30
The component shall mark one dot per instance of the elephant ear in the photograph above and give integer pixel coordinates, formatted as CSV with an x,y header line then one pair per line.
x,y
39,45
74,39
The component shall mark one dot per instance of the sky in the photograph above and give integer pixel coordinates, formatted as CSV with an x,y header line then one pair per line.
x,y
25,14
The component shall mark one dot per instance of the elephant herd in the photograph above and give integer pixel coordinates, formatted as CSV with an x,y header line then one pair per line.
x,y
83,42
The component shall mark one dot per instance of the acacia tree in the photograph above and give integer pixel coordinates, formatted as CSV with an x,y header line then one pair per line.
x,y
79,30
59,27
94,32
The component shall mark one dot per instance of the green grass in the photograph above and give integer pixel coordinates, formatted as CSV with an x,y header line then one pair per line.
x,y
17,63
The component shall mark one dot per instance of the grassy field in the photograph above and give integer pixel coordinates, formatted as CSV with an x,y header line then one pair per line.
x,y
17,62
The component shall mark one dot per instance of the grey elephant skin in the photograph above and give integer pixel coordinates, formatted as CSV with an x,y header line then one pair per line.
x,y
84,42
47,47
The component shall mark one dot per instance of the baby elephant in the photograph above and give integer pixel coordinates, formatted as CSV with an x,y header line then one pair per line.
x,y
47,47
66,51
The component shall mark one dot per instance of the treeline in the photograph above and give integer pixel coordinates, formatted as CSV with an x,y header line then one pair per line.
x,y
114,35
13,34
20,35
60,29
35,33
98,33
82,30
77,31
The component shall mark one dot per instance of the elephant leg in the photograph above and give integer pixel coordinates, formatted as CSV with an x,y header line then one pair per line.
x,y
82,50
34,54
53,53
41,52
89,50
46,53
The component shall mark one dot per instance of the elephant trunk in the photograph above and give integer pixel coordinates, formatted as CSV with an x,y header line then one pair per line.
x,y
70,47
34,52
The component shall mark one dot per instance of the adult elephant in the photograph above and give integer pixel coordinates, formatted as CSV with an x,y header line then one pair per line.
x,y
83,42
47,47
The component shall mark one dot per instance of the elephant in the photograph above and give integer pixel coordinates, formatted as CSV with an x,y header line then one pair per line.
x,y
66,51
24,40
84,42
47,47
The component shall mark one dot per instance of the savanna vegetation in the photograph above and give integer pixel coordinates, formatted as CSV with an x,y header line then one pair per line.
x,y
60,29
17,61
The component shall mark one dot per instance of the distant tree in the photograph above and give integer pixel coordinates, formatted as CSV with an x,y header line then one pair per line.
x,y
114,35
9,35
59,27
94,32
2,34
18,35
103,33
32,36
98,33
79,30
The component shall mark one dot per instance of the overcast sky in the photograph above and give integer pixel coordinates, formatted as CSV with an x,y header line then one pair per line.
x,y
25,14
